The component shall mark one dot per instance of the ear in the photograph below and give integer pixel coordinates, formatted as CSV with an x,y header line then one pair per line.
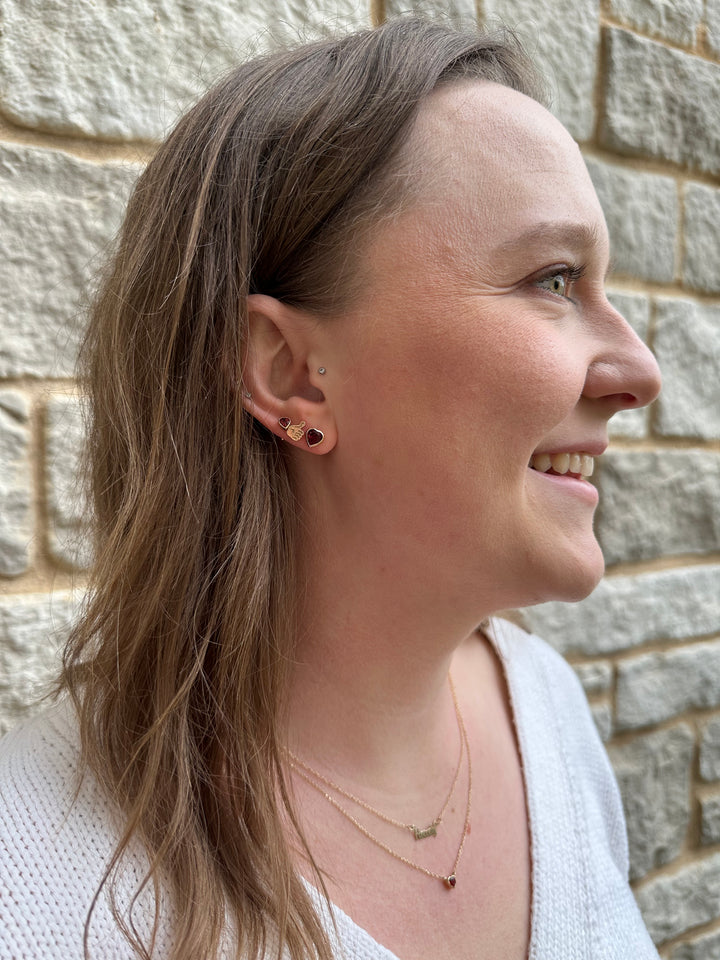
x,y
281,375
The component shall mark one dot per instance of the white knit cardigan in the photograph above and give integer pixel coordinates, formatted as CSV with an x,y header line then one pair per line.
x,y
54,846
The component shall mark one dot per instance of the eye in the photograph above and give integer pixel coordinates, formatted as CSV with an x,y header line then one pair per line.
x,y
559,280
558,284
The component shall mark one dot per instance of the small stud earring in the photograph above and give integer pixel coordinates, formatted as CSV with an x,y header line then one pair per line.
x,y
247,394
322,371
293,430
314,436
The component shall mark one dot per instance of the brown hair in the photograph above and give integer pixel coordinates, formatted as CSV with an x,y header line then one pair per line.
x,y
177,668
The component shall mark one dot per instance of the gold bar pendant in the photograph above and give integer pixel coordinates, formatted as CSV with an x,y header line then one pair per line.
x,y
423,834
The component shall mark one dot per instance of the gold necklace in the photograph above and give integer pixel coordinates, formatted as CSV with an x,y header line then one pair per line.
x,y
420,833
450,879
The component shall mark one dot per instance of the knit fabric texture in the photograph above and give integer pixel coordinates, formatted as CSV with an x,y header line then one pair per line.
x,y
55,845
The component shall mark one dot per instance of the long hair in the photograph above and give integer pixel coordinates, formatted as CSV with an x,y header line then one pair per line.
x,y
178,665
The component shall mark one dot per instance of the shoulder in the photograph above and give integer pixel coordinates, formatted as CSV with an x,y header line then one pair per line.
x,y
44,747
579,842
553,718
547,695
533,664
58,832
39,768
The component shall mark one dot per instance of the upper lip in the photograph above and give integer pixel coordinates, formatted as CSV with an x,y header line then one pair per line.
x,y
593,448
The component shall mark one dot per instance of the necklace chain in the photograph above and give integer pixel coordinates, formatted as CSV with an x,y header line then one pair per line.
x,y
420,833
448,879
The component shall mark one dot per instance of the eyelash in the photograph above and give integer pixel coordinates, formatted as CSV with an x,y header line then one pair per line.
x,y
571,275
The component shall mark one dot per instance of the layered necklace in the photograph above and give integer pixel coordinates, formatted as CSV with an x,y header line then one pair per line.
x,y
321,784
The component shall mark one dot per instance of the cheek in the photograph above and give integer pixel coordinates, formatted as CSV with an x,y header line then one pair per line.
x,y
519,386
479,371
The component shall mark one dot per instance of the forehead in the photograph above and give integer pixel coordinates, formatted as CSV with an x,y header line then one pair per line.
x,y
493,166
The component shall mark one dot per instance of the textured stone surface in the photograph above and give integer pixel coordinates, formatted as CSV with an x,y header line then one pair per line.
x,y
58,215
710,819
687,347
15,484
673,904
655,503
657,686
641,210
624,612
710,750
602,716
66,504
675,20
31,628
653,773
635,307
462,12
661,102
706,947
712,23
562,37
595,677
125,70
701,261
636,310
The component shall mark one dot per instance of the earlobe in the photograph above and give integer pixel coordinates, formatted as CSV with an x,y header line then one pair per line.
x,y
278,388
296,431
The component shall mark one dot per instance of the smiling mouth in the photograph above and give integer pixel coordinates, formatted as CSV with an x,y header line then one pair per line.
x,y
560,464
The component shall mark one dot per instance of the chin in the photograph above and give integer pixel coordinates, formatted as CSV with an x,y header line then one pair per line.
x,y
581,578
572,580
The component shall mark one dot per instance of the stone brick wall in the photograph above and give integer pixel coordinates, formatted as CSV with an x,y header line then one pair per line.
x,y
87,87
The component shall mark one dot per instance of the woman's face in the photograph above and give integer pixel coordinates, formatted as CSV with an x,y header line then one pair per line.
x,y
484,339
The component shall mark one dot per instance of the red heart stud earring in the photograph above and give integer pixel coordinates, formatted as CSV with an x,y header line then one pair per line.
x,y
293,430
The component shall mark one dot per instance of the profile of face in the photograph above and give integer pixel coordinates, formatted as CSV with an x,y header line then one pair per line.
x,y
483,341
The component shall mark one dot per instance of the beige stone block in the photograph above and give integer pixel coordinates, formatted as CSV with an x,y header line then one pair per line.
x,y
562,37
126,70
660,102
59,215
653,773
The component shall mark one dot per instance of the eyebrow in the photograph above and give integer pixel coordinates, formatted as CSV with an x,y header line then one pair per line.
x,y
572,235
566,234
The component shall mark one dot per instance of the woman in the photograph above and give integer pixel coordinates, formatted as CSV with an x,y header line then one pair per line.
x,y
349,372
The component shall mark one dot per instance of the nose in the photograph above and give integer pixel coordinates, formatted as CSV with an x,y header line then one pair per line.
x,y
623,373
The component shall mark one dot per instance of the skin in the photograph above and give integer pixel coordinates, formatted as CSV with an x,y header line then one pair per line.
x,y
476,344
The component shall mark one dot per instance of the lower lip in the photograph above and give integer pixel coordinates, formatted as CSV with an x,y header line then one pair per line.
x,y
570,484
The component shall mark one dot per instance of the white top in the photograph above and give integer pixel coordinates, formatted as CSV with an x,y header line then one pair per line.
x,y
53,850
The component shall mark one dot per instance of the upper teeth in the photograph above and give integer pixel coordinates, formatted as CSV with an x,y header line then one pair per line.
x,y
579,463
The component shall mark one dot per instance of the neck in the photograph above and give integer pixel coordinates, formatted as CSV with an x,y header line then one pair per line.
x,y
370,701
